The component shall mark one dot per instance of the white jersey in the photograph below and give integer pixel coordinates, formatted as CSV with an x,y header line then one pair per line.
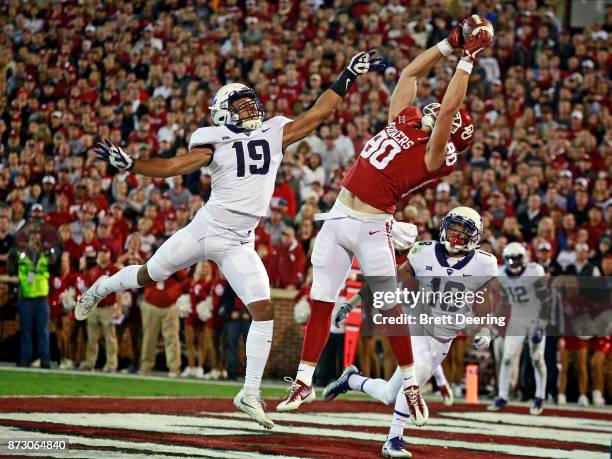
x,y
445,283
523,293
243,166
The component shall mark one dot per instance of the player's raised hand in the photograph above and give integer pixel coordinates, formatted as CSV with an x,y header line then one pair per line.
x,y
455,38
363,63
106,151
475,44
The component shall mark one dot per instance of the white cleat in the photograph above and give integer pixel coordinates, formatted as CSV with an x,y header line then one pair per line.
x,y
198,372
253,405
88,301
561,399
394,447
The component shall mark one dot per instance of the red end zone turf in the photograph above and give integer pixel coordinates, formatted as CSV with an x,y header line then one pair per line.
x,y
212,428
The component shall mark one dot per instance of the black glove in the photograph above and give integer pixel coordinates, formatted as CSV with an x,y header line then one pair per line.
x,y
114,155
363,63
341,314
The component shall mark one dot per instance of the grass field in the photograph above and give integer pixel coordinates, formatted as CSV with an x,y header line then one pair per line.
x,y
36,383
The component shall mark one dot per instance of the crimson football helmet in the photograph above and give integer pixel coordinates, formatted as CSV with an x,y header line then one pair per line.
x,y
463,136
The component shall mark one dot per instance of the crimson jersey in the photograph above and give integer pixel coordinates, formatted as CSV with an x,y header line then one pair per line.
x,y
392,163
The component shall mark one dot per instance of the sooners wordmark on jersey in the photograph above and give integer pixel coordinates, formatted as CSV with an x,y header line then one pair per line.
x,y
392,164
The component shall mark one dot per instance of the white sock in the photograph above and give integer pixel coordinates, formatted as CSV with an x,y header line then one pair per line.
x,y
440,377
305,372
539,370
505,373
379,389
124,279
408,375
401,414
258,344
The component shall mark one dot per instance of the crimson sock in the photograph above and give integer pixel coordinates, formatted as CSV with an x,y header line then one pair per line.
x,y
402,348
317,330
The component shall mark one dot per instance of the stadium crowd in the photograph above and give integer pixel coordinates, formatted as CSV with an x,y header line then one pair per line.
x,y
142,74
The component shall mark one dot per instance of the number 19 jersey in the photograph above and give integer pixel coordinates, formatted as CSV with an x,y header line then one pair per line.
x,y
244,164
392,163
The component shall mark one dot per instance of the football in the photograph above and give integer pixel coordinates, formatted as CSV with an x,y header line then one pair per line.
x,y
475,23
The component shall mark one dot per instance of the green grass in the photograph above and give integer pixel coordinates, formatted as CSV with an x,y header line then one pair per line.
x,y
32,383
17,382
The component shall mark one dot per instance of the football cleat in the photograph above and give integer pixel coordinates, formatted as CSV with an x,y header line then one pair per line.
x,y
537,406
419,413
561,399
88,301
254,406
394,447
298,393
497,405
340,385
447,395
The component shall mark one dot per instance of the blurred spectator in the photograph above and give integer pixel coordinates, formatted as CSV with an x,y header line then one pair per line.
x,y
237,322
7,241
582,266
288,262
160,314
101,318
274,224
33,266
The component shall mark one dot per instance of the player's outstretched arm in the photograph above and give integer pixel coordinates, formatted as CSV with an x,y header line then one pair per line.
x,y
406,88
327,103
155,167
453,99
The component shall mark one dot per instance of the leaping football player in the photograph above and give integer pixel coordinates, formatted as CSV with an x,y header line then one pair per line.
x,y
452,264
244,152
411,151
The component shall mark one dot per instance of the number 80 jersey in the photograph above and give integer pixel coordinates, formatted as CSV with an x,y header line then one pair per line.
x,y
244,164
392,163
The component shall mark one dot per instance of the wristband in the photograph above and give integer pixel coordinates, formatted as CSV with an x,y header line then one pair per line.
x,y
343,83
466,66
444,47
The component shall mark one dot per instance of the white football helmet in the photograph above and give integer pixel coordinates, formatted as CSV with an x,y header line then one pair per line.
x,y
515,257
430,114
224,112
467,226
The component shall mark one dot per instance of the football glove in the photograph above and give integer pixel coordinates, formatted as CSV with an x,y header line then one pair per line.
x,y
475,44
482,339
538,334
363,63
118,158
341,314
455,40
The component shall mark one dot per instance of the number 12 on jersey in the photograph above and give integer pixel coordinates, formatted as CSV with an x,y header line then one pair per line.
x,y
259,150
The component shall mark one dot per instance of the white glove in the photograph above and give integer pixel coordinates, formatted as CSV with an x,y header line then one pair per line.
x,y
482,339
403,235
118,158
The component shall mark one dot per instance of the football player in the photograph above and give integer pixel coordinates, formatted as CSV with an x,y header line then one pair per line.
x,y
454,263
243,151
523,286
411,151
